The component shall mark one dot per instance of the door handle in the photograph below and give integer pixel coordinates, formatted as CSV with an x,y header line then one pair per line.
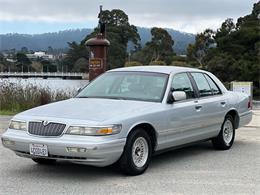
x,y
198,107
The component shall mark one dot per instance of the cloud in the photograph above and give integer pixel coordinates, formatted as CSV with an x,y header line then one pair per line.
x,y
186,15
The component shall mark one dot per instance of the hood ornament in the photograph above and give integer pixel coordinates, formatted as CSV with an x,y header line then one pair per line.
x,y
45,123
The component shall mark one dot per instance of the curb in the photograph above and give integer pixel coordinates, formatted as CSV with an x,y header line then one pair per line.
x,y
256,104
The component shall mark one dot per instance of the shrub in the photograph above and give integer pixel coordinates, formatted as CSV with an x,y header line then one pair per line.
x,y
133,63
157,63
17,98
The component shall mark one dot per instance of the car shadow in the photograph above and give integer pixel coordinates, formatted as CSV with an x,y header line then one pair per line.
x,y
69,171
181,154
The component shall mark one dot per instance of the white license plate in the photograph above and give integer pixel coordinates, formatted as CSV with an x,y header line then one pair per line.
x,y
38,150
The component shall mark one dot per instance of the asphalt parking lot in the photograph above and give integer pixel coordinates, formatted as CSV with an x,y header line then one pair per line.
x,y
196,169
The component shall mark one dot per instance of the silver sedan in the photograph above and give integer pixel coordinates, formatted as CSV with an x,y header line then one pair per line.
x,y
126,115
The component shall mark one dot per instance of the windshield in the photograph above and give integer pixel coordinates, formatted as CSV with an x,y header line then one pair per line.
x,y
144,86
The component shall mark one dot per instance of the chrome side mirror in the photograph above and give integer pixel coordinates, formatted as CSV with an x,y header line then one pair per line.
x,y
179,95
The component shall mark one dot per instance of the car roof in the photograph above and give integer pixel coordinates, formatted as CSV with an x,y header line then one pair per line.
x,y
157,69
168,70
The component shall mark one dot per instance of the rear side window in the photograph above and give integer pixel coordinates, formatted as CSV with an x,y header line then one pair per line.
x,y
181,82
213,86
202,84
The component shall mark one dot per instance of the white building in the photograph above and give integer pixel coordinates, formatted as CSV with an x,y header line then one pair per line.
x,y
40,54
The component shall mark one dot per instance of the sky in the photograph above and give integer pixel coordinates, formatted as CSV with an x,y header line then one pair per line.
x,y
192,16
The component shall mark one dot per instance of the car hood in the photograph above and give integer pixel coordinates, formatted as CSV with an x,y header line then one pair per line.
x,y
90,109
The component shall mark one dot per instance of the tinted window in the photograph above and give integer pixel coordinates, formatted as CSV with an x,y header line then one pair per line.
x,y
202,83
181,82
213,86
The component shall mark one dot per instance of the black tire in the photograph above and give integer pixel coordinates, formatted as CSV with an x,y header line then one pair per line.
x,y
220,142
44,161
126,162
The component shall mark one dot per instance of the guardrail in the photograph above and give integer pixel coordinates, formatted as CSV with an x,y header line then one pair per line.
x,y
45,74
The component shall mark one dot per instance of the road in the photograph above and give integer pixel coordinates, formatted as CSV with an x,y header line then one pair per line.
x,y
192,170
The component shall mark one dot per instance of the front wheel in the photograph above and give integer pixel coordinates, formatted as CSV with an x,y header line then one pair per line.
x,y
137,153
226,136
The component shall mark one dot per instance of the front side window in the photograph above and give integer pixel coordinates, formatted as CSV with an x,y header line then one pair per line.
x,y
202,84
181,82
144,86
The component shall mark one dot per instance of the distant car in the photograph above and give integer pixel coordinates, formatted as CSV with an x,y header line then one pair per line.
x,y
128,114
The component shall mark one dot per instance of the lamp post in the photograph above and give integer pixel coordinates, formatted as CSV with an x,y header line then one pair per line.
x,y
98,50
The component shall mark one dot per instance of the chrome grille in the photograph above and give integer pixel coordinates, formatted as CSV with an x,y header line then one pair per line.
x,y
51,129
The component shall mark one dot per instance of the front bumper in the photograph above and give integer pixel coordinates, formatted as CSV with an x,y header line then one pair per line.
x,y
100,151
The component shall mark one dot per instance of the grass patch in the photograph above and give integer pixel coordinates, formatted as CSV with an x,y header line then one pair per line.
x,y
8,112
15,98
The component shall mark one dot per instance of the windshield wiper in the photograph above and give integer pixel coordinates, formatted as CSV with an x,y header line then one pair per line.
x,y
116,98
111,97
83,97
105,97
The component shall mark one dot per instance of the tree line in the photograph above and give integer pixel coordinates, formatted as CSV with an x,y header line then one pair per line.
x,y
121,34
17,61
232,52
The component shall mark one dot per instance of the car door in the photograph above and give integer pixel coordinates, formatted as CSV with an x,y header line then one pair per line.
x,y
211,105
181,115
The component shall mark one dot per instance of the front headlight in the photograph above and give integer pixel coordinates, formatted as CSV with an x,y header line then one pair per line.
x,y
17,125
104,130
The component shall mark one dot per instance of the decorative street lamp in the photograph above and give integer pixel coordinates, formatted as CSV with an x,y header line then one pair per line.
x,y
98,50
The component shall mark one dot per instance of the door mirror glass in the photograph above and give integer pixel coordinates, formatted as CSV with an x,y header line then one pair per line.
x,y
179,95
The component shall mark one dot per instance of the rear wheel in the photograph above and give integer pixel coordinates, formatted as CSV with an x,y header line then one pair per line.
x,y
44,161
137,153
226,136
